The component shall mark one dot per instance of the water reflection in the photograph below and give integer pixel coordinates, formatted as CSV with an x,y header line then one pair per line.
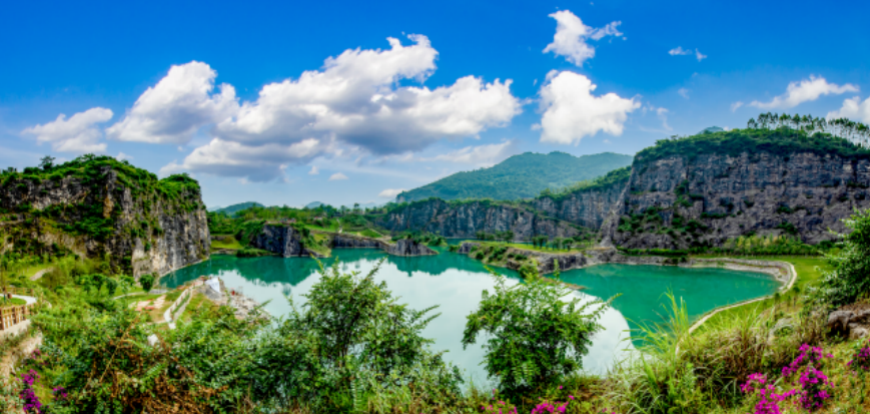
x,y
455,283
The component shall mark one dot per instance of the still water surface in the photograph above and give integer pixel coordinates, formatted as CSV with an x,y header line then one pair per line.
x,y
455,282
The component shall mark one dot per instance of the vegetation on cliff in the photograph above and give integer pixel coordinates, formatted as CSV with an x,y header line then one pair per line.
x,y
616,178
520,176
771,133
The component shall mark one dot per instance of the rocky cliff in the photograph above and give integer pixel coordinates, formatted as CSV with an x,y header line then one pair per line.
x,y
587,204
99,207
287,241
282,240
467,219
679,201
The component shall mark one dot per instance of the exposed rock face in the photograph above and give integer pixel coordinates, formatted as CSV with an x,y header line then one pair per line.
x,y
408,247
280,239
465,220
726,197
586,208
145,232
854,323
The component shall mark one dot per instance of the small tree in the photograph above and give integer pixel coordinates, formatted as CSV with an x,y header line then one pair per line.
x,y
848,279
46,162
535,334
147,281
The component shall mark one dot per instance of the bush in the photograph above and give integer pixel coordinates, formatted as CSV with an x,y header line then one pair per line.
x,y
147,282
848,279
536,337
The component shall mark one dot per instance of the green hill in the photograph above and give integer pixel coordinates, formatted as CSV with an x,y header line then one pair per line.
x,y
235,208
521,176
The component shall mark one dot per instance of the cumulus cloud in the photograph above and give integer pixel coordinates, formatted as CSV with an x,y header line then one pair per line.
x,y
314,170
853,109
257,162
571,34
700,56
174,109
736,105
479,156
355,104
337,177
391,192
571,112
121,157
804,91
78,134
679,51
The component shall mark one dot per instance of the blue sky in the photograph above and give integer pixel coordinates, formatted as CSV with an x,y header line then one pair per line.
x,y
290,102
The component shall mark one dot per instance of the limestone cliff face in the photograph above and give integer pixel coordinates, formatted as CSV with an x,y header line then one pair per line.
x,y
677,202
585,208
465,220
141,228
282,240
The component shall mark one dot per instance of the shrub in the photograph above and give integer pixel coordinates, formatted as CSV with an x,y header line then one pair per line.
x,y
147,282
848,280
536,336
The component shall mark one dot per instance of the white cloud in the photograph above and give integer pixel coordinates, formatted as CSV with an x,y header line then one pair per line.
x,y
391,192
679,51
683,92
174,109
700,56
853,109
121,157
571,35
256,162
337,176
355,104
78,134
807,90
736,105
479,156
571,112
314,170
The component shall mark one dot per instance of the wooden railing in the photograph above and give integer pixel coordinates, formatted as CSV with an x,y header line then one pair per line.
x,y
13,315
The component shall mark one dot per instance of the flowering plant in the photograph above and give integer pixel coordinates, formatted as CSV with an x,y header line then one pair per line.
x,y
860,359
815,385
10,396
31,401
769,400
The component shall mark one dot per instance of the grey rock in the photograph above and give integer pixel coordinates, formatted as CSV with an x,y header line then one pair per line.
x,y
839,320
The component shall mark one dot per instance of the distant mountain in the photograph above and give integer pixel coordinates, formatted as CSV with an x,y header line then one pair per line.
x,y
711,130
521,176
313,204
235,208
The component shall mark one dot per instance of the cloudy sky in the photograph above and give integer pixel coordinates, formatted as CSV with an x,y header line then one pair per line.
x,y
345,102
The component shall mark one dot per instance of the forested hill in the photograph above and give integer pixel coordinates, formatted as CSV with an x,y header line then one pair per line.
x,y
235,208
520,176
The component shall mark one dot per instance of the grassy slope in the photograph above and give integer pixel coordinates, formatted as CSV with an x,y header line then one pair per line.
x,y
809,271
520,176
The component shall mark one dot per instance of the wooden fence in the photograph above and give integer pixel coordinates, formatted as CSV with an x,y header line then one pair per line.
x,y
13,315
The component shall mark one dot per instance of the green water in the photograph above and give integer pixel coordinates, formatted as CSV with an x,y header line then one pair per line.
x,y
455,283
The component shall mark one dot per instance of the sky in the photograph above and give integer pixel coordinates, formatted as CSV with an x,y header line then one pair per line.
x,y
286,103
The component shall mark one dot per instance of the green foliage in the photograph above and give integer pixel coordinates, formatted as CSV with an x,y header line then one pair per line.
x,y
753,245
351,342
147,282
848,280
616,178
536,335
253,252
520,176
781,141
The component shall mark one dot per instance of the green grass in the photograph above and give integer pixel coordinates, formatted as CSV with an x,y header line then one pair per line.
x,y
31,270
521,246
12,302
370,233
227,243
809,271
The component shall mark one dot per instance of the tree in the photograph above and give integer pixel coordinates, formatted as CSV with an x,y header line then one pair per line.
x,y
535,335
147,281
848,279
46,162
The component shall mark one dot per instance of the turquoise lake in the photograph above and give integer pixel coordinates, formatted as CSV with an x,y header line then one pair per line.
x,y
455,282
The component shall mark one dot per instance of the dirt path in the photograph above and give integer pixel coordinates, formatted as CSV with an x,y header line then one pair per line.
x,y
39,274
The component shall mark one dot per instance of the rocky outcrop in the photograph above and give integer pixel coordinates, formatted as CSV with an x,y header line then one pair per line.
x,y
467,219
282,240
401,247
679,202
408,247
851,323
585,207
108,209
